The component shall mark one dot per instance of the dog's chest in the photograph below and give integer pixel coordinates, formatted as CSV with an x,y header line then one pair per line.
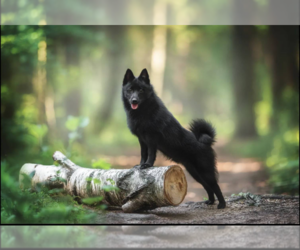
x,y
137,127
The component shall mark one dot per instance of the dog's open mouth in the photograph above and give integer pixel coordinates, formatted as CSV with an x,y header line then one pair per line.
x,y
134,106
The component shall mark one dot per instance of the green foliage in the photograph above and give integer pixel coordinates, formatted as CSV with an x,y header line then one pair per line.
x,y
39,132
111,181
96,181
101,164
280,154
108,188
283,162
92,200
44,207
251,199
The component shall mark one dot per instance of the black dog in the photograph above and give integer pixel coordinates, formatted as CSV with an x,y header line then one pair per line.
x,y
157,129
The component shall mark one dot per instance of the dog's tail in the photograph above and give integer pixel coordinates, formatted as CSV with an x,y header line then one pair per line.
x,y
203,131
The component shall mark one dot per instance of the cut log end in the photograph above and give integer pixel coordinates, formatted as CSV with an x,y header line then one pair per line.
x,y
175,185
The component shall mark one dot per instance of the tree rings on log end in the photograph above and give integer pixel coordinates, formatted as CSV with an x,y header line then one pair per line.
x,y
175,185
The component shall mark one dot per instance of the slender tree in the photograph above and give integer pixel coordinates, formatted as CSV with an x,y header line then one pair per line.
x,y
243,79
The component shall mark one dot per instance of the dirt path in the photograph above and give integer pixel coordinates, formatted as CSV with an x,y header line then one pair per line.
x,y
269,211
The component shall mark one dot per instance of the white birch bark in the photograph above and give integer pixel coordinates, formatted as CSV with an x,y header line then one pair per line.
x,y
138,189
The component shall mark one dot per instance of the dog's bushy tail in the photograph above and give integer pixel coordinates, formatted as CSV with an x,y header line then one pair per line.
x,y
203,131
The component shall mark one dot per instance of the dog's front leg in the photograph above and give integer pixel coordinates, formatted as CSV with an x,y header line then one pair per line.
x,y
152,148
144,152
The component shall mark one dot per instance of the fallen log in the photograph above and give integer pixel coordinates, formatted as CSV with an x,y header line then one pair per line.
x,y
133,189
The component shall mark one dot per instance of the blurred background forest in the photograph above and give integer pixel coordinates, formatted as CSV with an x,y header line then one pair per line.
x,y
61,90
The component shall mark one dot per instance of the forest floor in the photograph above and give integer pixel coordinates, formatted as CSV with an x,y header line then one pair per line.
x,y
269,211
235,175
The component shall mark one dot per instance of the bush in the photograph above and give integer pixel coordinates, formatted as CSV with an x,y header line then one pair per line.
x,y
44,207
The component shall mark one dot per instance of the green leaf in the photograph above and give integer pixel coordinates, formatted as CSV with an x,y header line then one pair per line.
x,y
112,182
38,131
72,123
61,179
108,188
242,194
101,164
56,164
96,181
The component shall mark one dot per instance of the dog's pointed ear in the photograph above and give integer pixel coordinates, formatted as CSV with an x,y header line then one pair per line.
x,y
144,76
128,76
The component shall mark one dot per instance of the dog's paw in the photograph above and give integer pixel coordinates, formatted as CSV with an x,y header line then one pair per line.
x,y
145,165
221,205
208,202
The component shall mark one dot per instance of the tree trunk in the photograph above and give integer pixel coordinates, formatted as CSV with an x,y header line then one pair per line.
x,y
40,80
243,80
72,60
134,189
116,37
284,52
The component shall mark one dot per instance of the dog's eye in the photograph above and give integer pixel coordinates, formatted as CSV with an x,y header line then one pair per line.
x,y
129,90
141,91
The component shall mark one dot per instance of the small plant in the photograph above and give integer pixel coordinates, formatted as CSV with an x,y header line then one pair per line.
x,y
42,207
102,164
111,181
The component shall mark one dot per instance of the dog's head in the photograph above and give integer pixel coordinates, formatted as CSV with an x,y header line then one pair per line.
x,y
136,89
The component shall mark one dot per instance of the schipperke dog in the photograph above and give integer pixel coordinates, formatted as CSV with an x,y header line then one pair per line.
x,y
157,129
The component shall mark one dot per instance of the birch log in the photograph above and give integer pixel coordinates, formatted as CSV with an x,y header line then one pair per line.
x,y
138,189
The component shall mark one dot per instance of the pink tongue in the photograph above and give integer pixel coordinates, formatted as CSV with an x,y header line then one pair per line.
x,y
134,106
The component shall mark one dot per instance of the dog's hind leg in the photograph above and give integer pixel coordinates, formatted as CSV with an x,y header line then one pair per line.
x,y
213,184
207,170
191,169
217,191
211,196
209,191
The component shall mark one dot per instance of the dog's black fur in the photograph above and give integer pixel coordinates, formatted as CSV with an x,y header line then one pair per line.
x,y
157,129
